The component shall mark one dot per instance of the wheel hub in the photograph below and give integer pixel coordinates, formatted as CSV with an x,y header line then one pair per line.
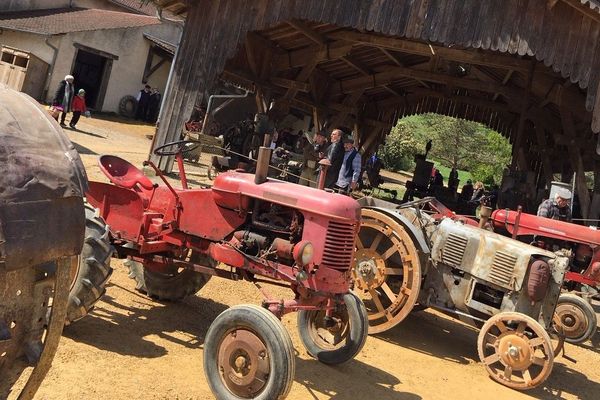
x,y
369,269
515,351
244,363
573,322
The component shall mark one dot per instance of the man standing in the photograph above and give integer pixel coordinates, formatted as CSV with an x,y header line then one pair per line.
x,y
335,155
153,105
557,208
349,173
143,99
312,153
64,97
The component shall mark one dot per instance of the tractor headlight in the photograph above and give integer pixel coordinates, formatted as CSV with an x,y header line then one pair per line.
x,y
304,252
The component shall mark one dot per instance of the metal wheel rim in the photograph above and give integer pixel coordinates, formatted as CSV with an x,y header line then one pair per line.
x,y
503,356
328,338
571,319
400,284
244,363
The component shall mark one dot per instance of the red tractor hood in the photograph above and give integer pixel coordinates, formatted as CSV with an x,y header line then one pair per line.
x,y
333,205
534,225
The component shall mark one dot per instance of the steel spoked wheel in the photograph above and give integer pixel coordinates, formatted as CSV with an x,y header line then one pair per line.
x,y
248,354
386,270
515,350
575,318
337,338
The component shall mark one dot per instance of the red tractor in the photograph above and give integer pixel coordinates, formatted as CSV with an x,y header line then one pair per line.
x,y
243,227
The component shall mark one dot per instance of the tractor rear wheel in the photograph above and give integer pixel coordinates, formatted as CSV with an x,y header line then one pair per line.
x,y
172,286
93,270
335,339
386,270
248,354
575,318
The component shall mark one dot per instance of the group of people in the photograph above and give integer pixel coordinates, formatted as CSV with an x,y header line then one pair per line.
x,y
148,104
344,161
66,101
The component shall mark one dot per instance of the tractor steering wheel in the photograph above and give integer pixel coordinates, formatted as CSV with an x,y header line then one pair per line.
x,y
180,146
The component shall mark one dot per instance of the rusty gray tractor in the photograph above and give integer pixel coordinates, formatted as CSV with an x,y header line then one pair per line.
x,y
413,256
53,248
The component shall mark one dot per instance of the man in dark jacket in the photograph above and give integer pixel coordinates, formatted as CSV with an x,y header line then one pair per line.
x,y
64,97
143,99
154,105
335,155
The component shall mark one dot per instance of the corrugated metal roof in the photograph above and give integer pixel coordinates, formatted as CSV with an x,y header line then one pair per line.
x,y
65,20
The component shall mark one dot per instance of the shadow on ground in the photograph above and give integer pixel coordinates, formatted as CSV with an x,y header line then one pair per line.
x,y
123,329
83,150
434,335
335,381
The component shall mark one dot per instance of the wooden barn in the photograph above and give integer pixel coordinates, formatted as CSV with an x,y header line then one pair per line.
x,y
527,68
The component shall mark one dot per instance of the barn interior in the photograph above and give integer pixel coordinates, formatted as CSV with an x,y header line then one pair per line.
x,y
527,69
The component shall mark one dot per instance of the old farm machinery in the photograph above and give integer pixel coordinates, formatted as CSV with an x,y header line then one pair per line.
x,y
42,225
406,256
243,227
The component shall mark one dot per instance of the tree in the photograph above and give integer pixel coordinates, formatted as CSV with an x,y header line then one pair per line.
x,y
399,149
457,143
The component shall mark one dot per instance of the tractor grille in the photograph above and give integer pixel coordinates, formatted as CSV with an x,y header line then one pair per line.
x,y
502,268
339,245
454,250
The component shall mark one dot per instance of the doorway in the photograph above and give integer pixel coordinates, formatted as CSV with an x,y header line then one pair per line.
x,y
91,72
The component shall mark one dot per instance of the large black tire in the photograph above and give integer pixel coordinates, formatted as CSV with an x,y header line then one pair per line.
x,y
351,327
89,281
170,287
127,106
275,355
576,318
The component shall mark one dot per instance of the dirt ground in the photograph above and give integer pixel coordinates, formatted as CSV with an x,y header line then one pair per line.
x,y
131,347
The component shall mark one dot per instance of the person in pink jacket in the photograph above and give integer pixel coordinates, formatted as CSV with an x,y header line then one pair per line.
x,y
78,107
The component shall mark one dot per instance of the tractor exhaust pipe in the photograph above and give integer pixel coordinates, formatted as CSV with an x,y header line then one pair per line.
x,y
325,164
262,165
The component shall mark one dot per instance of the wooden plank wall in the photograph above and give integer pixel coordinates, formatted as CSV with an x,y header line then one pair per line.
x,y
561,37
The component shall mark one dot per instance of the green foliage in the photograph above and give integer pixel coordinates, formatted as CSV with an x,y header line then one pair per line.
x,y
400,148
457,143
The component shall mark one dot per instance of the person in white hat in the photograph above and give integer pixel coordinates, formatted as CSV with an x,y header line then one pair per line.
x,y
557,208
63,99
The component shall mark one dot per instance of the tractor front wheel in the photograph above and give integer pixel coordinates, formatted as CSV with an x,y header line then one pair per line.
x,y
575,318
248,354
338,338
171,286
93,270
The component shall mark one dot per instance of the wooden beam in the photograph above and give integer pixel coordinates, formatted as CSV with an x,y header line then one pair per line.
x,y
290,84
392,74
400,63
543,143
307,31
504,82
576,163
428,50
350,100
299,58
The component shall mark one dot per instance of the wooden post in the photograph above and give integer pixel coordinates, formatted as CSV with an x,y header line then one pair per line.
x,y
576,162
518,157
595,206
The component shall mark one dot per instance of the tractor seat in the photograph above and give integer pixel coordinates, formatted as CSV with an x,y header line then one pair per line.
x,y
124,174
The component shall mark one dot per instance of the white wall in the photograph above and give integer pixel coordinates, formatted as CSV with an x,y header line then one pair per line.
x,y
127,72
128,44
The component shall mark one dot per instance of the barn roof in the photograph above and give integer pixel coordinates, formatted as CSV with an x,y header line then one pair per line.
x,y
66,20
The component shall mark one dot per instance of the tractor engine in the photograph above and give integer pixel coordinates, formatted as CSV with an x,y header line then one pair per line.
x,y
482,273
272,233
